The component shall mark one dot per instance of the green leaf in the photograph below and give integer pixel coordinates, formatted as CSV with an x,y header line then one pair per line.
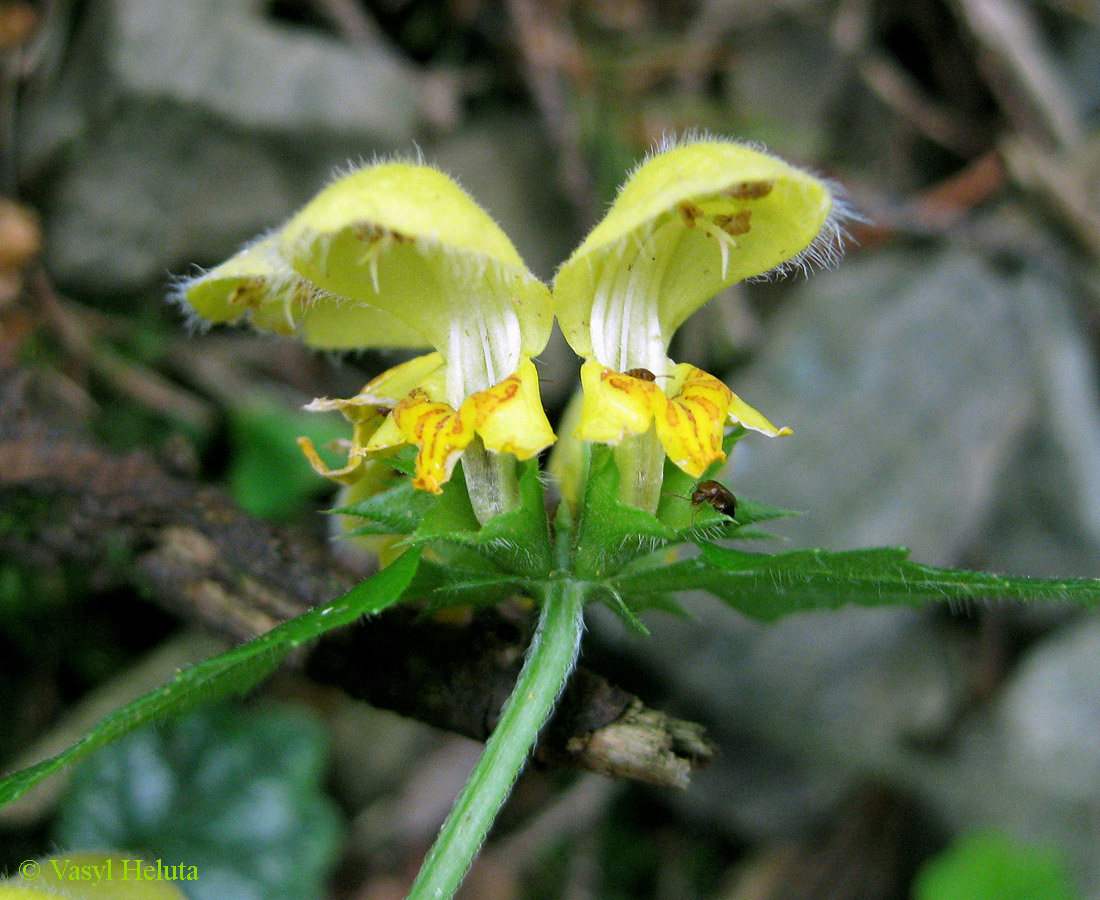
x,y
641,583
770,586
514,543
818,579
614,601
445,584
613,535
702,523
675,509
710,525
610,533
525,528
231,673
239,795
450,514
399,510
993,866
403,460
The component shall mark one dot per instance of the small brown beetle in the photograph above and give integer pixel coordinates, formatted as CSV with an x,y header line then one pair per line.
x,y
716,495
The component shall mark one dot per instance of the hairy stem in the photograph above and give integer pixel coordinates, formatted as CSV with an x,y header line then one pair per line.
x,y
550,659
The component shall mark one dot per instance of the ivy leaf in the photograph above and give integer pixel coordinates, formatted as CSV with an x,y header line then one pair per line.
x,y
230,673
238,795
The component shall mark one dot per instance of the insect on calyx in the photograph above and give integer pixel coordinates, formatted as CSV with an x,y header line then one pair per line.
x,y
716,495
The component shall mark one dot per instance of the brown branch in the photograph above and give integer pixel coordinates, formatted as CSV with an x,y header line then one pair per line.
x,y
189,549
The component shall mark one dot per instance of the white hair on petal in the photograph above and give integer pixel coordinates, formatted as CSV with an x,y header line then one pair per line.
x,y
824,251
177,288
179,285
827,248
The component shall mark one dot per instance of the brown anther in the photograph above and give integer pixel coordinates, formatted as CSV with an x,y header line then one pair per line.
x,y
749,190
735,224
368,231
247,293
689,212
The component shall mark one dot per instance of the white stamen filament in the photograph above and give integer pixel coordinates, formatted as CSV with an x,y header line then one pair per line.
x,y
378,244
484,346
288,309
724,239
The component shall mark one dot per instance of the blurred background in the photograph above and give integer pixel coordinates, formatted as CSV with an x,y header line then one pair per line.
x,y
941,384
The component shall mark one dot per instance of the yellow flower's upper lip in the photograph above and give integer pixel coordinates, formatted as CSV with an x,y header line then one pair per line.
x,y
258,286
407,240
689,222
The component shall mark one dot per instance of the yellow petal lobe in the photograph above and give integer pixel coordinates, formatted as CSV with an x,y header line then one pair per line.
x,y
743,414
258,286
369,413
615,404
690,221
440,433
391,386
691,425
405,239
509,416
348,474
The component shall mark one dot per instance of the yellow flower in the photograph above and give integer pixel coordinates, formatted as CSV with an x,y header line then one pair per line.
x,y
397,255
691,220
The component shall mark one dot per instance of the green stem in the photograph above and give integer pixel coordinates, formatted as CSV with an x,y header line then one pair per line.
x,y
550,659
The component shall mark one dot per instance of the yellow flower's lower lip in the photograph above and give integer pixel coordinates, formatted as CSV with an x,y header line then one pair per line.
x,y
508,417
690,424
439,431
